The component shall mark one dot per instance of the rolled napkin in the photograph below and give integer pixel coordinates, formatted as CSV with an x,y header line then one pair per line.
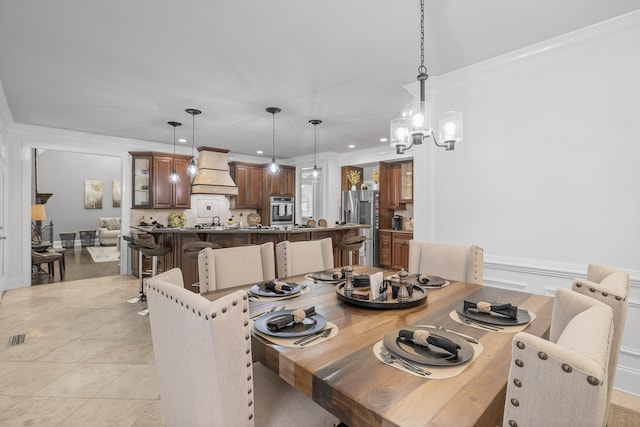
x,y
336,275
424,279
296,316
507,309
424,338
278,286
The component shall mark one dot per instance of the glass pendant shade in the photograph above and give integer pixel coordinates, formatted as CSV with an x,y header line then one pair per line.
x,y
450,126
419,114
192,170
316,173
273,167
174,178
399,136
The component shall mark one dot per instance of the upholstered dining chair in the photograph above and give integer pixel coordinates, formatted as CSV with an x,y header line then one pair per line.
x,y
295,258
612,288
227,267
562,381
203,360
452,262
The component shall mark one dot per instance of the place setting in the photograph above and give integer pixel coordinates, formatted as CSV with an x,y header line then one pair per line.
x,y
294,328
332,276
274,291
427,351
492,316
423,280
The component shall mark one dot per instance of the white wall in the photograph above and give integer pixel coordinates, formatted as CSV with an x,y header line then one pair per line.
x,y
546,179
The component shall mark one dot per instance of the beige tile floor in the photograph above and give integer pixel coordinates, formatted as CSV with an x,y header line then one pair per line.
x,y
87,360
88,357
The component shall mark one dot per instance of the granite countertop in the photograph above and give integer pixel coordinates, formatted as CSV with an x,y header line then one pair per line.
x,y
244,230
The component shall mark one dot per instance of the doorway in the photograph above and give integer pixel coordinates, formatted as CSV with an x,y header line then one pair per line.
x,y
83,188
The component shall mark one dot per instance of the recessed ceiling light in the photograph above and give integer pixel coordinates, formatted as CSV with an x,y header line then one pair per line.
x,y
182,140
384,139
259,152
351,146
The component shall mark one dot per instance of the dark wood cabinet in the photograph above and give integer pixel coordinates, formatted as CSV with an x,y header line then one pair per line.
x,y
283,183
248,179
394,249
384,253
152,188
400,250
399,185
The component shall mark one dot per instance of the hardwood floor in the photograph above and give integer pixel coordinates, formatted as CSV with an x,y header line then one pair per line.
x,y
79,265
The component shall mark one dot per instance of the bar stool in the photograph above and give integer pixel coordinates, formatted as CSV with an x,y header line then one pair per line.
x,y
351,244
192,249
149,250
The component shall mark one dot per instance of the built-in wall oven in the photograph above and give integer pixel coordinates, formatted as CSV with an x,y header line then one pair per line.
x,y
281,209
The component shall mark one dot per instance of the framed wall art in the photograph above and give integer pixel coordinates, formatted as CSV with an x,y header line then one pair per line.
x,y
93,194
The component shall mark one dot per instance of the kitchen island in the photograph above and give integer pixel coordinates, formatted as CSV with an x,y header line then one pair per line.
x,y
175,238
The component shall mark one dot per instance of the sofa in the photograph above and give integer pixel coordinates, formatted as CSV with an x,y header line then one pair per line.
x,y
108,231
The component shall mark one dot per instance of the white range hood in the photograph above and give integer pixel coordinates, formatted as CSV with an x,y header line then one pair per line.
x,y
213,173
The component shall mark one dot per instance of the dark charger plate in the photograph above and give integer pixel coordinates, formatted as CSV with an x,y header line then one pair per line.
x,y
428,355
419,296
493,318
308,326
261,290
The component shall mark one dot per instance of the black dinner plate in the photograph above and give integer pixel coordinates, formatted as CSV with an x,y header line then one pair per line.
x,y
428,355
261,290
434,281
327,276
494,318
307,326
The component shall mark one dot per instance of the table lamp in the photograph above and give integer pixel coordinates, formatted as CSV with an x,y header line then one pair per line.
x,y
38,214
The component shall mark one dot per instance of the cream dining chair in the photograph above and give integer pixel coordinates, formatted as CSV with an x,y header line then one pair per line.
x,y
294,258
203,360
612,288
563,381
227,267
452,262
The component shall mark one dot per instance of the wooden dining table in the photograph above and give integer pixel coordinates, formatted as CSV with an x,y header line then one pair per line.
x,y
344,376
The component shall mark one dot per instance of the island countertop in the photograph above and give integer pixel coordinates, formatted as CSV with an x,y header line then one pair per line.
x,y
175,238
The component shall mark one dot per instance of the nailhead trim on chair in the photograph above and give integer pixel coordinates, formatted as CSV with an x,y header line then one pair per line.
x,y
513,423
517,382
593,380
515,402
519,363
542,355
520,345
567,368
213,315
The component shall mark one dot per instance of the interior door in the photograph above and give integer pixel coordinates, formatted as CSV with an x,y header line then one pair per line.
x,y
3,236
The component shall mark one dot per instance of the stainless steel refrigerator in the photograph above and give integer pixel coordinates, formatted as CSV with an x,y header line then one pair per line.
x,y
363,207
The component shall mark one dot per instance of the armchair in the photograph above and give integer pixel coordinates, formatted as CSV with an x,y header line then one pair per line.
x,y
304,257
452,262
563,381
108,231
611,287
203,359
227,267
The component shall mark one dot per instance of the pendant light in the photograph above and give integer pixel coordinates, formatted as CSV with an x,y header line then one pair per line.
x,y
316,172
192,170
273,167
174,178
415,124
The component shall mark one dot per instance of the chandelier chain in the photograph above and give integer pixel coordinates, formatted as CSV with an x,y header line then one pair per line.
x,y
422,69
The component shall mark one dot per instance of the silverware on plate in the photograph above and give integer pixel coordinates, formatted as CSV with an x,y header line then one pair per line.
x,y
478,323
470,339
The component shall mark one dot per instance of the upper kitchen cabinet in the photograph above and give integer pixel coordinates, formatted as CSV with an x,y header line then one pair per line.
x,y
283,183
151,186
397,179
345,184
248,178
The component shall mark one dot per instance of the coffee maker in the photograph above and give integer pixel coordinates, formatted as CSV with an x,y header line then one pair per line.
x,y
396,222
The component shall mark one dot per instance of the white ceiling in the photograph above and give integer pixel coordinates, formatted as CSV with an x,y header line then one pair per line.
x,y
124,68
